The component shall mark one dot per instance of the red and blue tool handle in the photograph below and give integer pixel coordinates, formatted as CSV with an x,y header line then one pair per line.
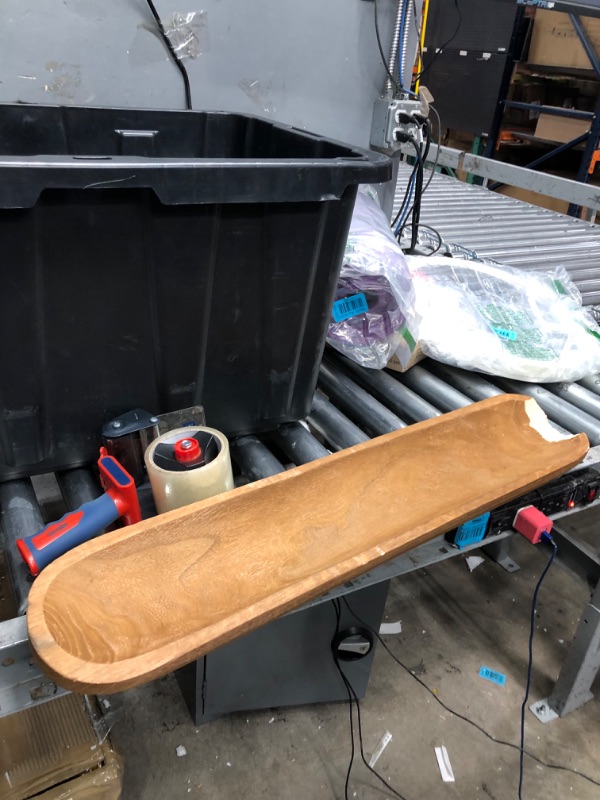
x,y
69,531
90,519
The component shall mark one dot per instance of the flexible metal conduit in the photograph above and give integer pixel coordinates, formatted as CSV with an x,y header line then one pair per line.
x,y
389,86
405,81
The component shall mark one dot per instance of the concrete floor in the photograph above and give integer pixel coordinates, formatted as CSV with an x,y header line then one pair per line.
x,y
453,622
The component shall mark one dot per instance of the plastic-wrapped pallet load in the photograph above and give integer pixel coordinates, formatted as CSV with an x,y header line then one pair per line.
x,y
373,312
504,321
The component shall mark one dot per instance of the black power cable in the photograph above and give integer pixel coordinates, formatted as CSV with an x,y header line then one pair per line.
x,y
548,538
439,146
176,60
414,185
352,697
417,166
406,197
439,49
438,235
417,189
416,209
433,171
454,713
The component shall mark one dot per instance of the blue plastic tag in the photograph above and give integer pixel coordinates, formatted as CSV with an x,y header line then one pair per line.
x,y
349,307
493,676
510,336
472,531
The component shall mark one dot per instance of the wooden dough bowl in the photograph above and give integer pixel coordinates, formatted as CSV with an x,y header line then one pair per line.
x,y
136,603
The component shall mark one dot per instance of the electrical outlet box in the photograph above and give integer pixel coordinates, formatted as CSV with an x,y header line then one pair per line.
x,y
396,120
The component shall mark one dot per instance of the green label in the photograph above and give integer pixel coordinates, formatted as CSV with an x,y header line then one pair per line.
x,y
517,332
408,338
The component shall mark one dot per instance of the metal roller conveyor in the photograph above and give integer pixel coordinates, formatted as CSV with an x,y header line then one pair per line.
x,y
591,383
299,445
21,516
399,398
559,410
254,458
337,429
578,396
356,402
509,231
78,486
22,684
445,397
471,384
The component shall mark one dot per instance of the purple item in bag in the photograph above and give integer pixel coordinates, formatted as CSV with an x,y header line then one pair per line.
x,y
376,283
378,324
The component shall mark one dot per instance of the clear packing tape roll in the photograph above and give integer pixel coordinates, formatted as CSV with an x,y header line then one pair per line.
x,y
172,488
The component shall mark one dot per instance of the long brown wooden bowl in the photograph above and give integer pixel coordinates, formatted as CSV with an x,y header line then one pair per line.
x,y
136,603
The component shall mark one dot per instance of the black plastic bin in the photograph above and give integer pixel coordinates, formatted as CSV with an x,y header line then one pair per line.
x,y
160,259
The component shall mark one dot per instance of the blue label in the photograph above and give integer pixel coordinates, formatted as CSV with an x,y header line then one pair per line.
x,y
472,531
349,307
510,336
492,675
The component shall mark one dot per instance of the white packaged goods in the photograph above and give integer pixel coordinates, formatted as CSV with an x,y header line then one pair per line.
x,y
504,321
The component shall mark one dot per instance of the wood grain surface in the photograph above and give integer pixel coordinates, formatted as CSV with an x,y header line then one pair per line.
x,y
138,602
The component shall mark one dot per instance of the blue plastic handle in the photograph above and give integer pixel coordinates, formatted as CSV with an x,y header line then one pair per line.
x,y
73,529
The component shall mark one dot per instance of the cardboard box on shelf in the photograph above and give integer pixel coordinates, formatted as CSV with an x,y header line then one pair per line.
x,y
525,89
52,751
554,42
560,129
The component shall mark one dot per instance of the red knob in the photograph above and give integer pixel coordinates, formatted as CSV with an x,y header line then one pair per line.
x,y
187,450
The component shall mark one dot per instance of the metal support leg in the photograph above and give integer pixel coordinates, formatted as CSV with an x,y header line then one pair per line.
x,y
574,683
22,683
499,552
494,132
